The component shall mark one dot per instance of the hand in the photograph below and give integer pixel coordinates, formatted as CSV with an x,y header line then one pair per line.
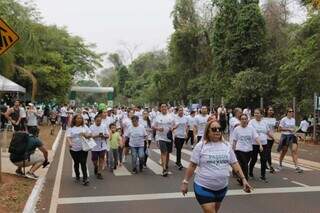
x,y
261,148
184,189
246,187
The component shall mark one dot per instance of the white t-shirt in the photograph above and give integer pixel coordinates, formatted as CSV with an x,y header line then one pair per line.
x,y
63,112
126,124
262,129
137,136
74,134
32,118
107,121
191,122
166,122
213,160
182,122
287,123
22,112
271,122
304,125
101,142
201,122
233,123
244,138
148,129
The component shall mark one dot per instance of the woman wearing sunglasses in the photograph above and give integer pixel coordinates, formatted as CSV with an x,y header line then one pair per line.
x,y
288,139
244,138
212,157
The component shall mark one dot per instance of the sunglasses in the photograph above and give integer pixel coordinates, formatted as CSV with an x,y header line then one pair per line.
x,y
215,129
290,111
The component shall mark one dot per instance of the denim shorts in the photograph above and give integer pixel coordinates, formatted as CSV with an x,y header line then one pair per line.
x,y
205,195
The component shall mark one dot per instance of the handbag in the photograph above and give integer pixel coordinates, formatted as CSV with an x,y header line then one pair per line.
x,y
88,144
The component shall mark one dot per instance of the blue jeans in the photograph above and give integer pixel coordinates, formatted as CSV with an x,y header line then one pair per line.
x,y
137,152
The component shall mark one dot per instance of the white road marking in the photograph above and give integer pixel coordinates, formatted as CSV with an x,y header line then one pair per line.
x,y
285,178
178,195
121,171
154,167
56,187
81,174
300,184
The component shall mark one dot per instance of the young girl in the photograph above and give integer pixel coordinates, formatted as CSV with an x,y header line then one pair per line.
x,y
100,135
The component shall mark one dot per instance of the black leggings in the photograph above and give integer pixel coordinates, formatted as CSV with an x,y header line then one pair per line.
x,y
243,158
80,157
178,142
190,136
120,153
263,159
146,145
269,149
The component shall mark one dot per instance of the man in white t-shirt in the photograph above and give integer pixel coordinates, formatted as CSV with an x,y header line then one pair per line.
x,y
64,116
163,125
201,122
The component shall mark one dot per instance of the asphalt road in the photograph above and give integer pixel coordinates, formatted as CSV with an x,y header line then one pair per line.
x,y
148,191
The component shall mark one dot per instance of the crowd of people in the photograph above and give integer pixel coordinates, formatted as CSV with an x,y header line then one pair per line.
x,y
219,138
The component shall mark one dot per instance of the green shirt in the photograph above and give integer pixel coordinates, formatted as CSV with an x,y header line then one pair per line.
x,y
114,141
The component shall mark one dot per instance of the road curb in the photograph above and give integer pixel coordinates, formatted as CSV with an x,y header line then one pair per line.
x,y
34,196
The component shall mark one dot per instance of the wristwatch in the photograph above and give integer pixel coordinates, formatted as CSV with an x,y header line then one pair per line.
x,y
185,181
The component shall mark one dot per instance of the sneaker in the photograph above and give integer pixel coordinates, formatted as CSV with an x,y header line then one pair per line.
x,y
85,182
180,167
99,176
134,171
280,168
32,176
192,147
19,172
264,179
77,179
299,170
272,169
164,173
115,167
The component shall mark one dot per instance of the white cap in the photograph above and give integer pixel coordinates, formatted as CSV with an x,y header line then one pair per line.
x,y
109,108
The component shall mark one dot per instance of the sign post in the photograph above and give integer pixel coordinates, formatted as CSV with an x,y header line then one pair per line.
x,y
7,37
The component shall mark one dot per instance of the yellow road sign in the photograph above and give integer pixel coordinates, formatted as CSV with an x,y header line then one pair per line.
x,y
7,37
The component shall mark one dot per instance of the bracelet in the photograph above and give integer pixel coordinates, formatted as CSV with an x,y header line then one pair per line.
x,y
185,181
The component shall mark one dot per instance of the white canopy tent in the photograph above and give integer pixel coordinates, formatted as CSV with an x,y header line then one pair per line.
x,y
7,85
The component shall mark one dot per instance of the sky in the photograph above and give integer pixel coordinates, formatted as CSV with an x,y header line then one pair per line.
x,y
140,25
117,25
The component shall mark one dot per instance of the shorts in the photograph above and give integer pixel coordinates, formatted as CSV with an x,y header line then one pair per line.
x,y
96,155
126,142
165,146
286,140
204,195
33,159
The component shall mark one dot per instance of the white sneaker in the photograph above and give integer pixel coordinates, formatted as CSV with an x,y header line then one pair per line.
x,y
279,168
31,176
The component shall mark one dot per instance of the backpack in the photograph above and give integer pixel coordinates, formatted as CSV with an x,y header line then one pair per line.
x,y
18,146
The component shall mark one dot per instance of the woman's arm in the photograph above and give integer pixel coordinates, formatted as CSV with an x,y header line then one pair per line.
x,y
189,173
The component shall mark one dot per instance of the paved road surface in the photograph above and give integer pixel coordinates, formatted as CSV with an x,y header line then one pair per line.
x,y
122,191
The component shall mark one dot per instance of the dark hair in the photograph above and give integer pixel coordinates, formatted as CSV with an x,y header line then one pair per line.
x,y
111,125
148,120
97,116
267,109
258,109
243,115
134,117
73,123
305,118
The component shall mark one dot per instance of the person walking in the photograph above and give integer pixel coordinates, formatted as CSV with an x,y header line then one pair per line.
x,y
191,124
137,136
32,121
212,157
114,143
243,138
287,127
180,132
272,123
201,121
263,132
146,123
98,153
76,134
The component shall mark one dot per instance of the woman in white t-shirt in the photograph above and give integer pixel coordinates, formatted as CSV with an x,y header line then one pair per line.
x,y
146,123
75,135
98,153
212,157
180,133
263,132
304,126
244,137
137,135
288,139
272,123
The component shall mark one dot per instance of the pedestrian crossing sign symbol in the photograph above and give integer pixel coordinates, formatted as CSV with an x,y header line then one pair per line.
x,y
7,37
